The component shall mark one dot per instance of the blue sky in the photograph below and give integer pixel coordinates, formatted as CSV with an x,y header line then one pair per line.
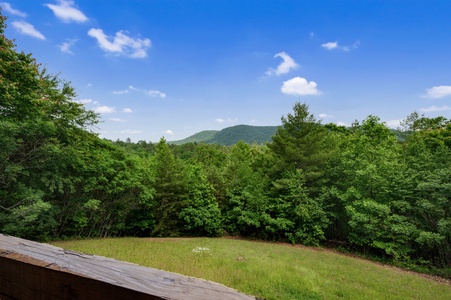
x,y
173,68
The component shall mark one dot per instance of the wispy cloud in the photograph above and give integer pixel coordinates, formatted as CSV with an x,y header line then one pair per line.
x,y
129,131
154,93
65,46
66,12
27,29
117,120
9,9
104,109
393,123
127,110
437,92
84,101
122,92
330,45
434,108
325,116
228,120
300,86
121,43
131,88
336,46
285,66
169,131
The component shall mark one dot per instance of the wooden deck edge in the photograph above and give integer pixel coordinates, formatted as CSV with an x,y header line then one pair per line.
x,y
29,269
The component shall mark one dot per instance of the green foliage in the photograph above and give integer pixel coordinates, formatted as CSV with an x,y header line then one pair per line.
x,y
363,186
302,143
246,203
306,215
201,215
170,190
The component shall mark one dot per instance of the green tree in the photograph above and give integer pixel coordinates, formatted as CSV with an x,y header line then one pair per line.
x,y
246,209
201,215
170,190
301,143
303,217
37,118
428,155
369,179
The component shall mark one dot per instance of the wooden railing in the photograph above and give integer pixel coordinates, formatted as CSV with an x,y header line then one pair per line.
x,y
30,270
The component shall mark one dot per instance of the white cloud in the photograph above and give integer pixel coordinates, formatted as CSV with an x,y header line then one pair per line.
x,y
129,131
117,120
154,93
121,92
324,116
438,92
330,45
228,120
65,11
299,86
127,110
27,29
104,109
169,131
84,101
340,123
121,43
8,8
65,46
393,123
434,108
286,66
335,45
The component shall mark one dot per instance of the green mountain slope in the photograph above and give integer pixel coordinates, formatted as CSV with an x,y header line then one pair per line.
x,y
231,135
199,137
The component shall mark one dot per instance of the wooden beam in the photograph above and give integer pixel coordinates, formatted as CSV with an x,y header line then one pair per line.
x,y
30,270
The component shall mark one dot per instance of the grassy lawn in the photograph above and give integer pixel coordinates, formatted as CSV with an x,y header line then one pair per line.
x,y
270,271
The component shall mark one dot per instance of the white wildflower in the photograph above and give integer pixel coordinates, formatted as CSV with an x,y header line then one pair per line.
x,y
201,250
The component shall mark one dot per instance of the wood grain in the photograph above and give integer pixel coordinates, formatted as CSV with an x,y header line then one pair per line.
x,y
30,270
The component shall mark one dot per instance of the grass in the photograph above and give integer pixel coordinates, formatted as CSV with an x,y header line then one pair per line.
x,y
269,271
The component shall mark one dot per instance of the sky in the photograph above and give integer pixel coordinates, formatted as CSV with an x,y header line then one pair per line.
x,y
168,68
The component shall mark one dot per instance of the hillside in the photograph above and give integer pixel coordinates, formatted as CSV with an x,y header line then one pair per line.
x,y
231,135
269,270
199,137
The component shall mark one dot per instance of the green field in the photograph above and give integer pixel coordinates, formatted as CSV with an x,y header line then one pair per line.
x,y
267,270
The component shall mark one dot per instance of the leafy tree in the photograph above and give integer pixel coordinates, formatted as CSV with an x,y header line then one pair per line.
x,y
201,215
38,117
170,190
245,211
301,143
305,218
370,181
428,155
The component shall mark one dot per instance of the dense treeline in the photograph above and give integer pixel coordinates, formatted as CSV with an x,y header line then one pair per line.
x,y
362,187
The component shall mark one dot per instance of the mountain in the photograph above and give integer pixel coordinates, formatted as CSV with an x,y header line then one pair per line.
x,y
231,135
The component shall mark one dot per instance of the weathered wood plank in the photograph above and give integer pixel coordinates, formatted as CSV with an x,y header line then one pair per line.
x,y
30,270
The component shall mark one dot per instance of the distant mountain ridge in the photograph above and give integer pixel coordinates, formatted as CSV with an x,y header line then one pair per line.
x,y
231,135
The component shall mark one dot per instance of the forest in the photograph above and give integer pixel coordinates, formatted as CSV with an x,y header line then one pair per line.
x,y
361,188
